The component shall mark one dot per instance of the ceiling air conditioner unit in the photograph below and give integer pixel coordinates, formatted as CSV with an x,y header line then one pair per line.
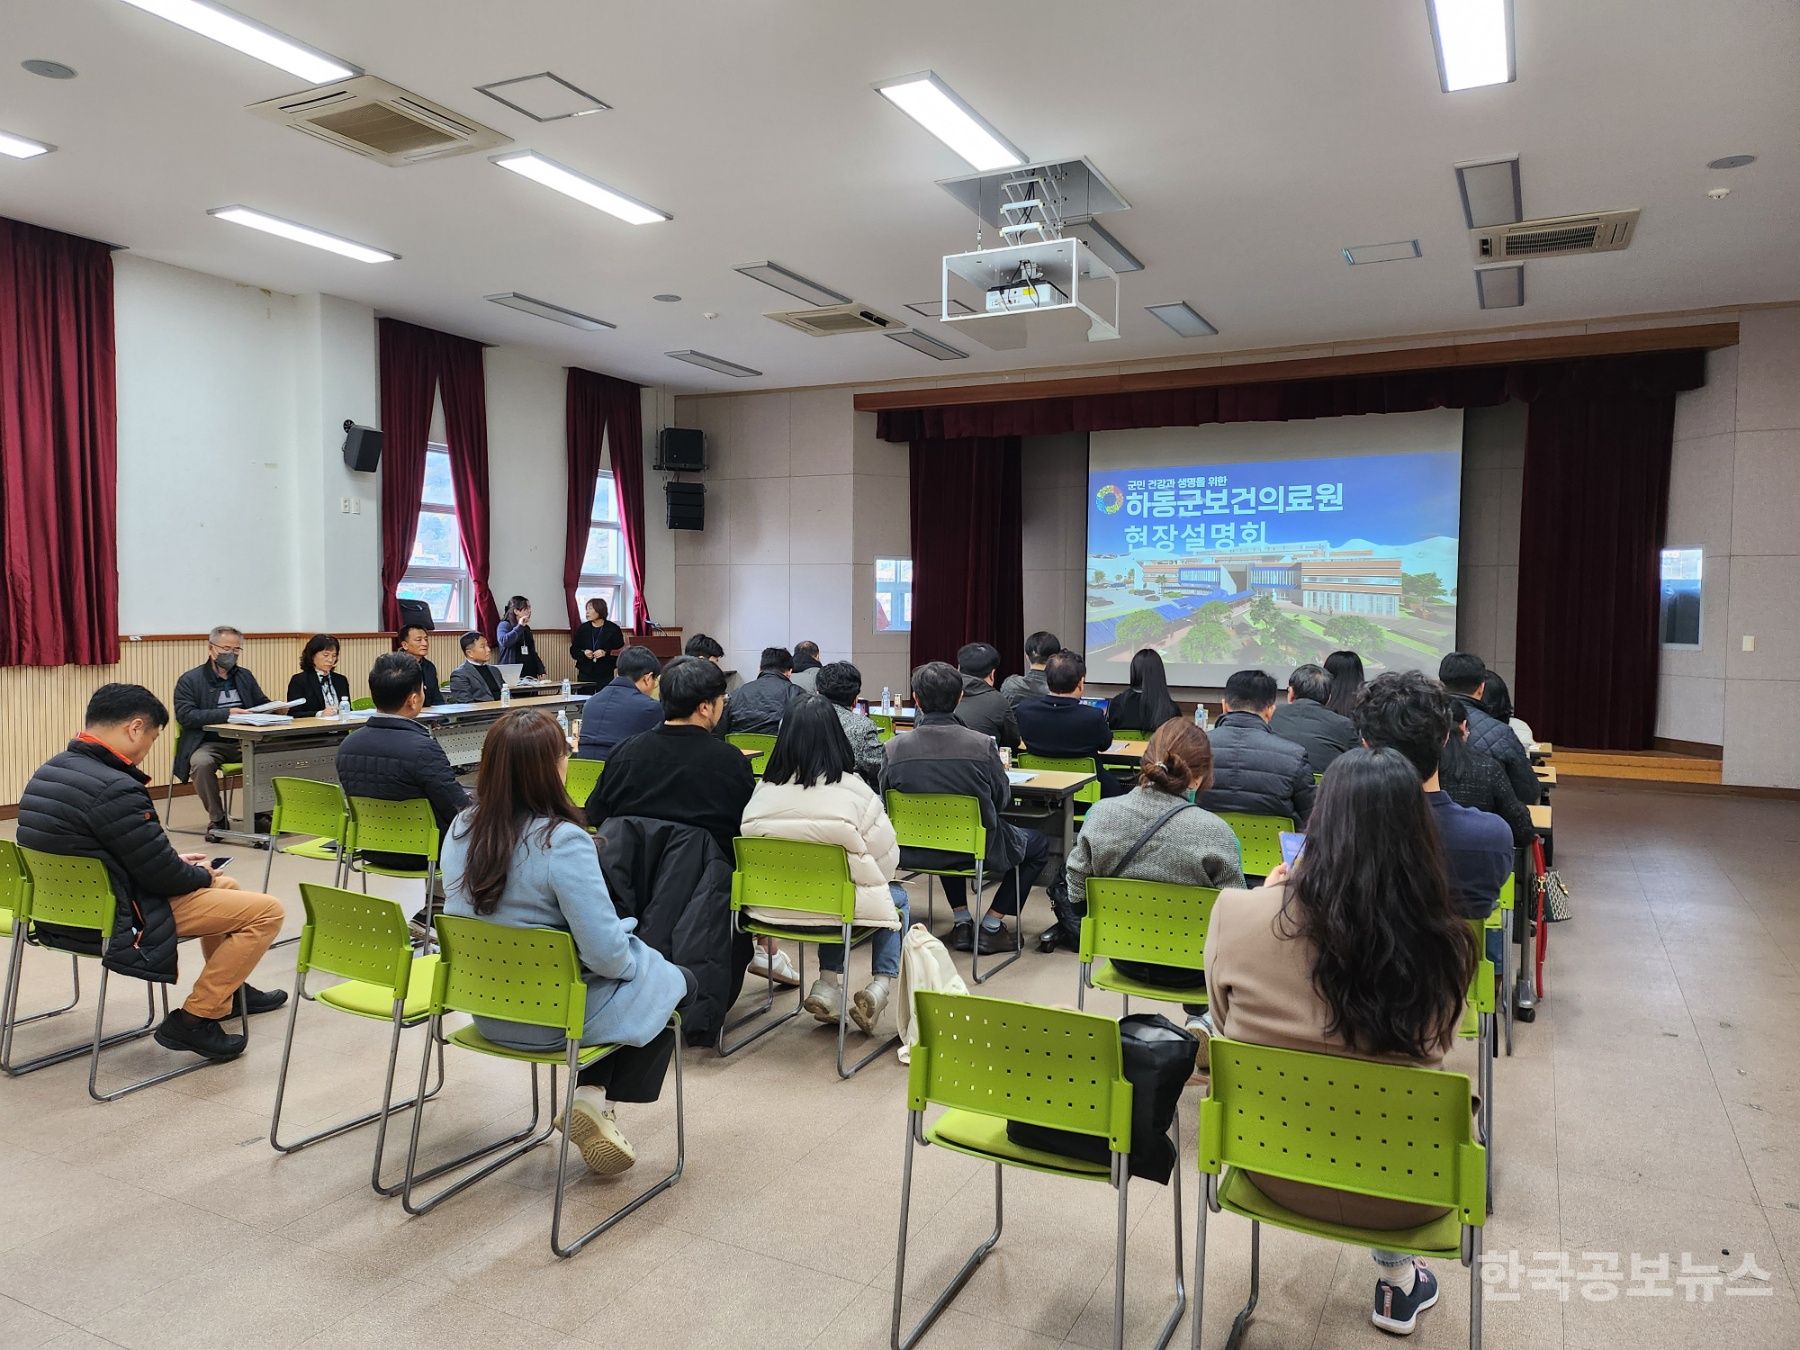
x,y
837,320
382,121
1555,236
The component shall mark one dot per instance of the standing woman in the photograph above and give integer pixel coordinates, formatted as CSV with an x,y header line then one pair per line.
x,y
515,644
318,681
1346,671
596,644
1146,705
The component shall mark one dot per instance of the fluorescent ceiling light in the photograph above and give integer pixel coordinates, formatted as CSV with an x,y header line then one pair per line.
x,y
250,38
1397,251
1474,40
302,234
792,283
1104,246
1501,287
717,363
1183,318
934,105
936,309
22,147
545,310
923,342
1490,192
558,178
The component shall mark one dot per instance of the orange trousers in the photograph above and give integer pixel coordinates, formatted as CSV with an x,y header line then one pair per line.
x,y
235,928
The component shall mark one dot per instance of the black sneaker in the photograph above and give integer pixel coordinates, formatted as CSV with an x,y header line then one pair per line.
x,y
1398,1313
181,1030
962,935
996,940
259,1000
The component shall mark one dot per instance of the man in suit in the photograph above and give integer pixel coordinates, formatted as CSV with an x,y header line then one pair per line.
x,y
415,640
475,681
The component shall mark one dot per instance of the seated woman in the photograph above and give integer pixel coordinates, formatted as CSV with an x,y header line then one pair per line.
x,y
840,685
520,858
810,791
1358,952
1472,778
513,642
1146,705
318,681
596,645
1156,833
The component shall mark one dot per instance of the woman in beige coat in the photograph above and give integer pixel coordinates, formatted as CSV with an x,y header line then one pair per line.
x,y
810,792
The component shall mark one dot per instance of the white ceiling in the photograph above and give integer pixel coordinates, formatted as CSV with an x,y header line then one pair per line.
x,y
1253,140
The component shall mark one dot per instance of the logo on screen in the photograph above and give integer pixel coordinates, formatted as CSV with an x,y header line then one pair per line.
x,y
1110,500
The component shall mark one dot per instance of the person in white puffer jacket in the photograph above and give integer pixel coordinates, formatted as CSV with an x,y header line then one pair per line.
x,y
810,792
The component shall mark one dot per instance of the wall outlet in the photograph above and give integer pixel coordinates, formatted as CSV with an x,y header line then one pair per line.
x,y
344,506
1749,643
356,506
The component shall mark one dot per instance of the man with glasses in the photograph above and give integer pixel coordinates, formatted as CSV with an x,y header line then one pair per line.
x,y
415,640
212,693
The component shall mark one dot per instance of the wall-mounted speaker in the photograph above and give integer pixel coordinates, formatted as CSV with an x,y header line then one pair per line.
x,y
680,450
686,505
362,448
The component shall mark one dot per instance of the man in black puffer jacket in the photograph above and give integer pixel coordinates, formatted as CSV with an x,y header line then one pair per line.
x,y
93,801
759,706
1464,675
1254,770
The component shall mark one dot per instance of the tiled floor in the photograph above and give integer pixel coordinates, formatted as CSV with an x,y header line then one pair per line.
x,y
1653,1108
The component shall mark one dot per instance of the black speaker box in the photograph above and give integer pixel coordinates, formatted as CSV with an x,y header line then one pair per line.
x,y
362,448
686,504
416,612
680,450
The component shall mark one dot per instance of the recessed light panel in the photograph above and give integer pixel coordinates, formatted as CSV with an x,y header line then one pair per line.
x,y
22,147
1490,192
714,363
1474,40
922,342
792,283
545,310
560,178
302,234
934,105
544,97
1183,318
934,309
1398,251
251,38
1501,287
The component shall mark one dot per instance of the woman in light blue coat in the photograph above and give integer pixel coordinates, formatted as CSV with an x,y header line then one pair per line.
x,y
521,857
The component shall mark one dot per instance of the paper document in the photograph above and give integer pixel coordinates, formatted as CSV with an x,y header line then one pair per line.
x,y
1017,776
261,719
276,705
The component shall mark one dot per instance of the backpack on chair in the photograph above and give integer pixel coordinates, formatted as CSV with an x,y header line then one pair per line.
x,y
924,964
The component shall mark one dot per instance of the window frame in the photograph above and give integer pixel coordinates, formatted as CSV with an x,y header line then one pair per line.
x,y
418,574
1662,559
901,621
614,588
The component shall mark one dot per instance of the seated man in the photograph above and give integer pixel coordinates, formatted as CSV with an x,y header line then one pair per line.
x,y
1254,771
475,681
760,705
983,707
392,758
1039,648
1464,675
415,641
806,667
840,684
706,648
940,755
623,708
1308,723
92,801
207,695
1061,726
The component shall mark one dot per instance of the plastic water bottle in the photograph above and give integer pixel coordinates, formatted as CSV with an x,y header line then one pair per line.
x,y
887,701
343,710
562,720
506,696
566,691
1200,715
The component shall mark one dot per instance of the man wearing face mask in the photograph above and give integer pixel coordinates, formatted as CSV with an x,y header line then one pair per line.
x,y
93,801
207,695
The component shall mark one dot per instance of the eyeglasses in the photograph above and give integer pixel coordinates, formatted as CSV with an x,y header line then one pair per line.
x,y
222,647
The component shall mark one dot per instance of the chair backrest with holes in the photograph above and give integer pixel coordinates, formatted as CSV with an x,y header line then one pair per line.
x,y
582,777
1087,792
12,877
1146,921
364,704
355,937
72,892
938,820
1259,840
1042,1066
307,806
792,874
1123,734
1385,1130
377,826
1483,997
528,975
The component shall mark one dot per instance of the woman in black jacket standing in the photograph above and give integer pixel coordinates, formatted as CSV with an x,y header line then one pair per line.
x,y
317,680
596,645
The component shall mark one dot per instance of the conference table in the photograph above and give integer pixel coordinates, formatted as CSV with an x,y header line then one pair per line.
x,y
1046,802
306,747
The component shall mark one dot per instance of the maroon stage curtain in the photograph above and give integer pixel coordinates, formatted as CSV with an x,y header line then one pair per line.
x,y
58,449
968,574
604,413
1596,499
408,381
462,385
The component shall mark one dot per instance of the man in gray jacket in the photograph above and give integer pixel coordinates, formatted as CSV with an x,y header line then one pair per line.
x,y
1039,648
984,708
1308,723
204,697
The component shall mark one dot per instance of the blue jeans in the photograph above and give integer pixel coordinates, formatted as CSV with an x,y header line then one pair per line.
x,y
884,946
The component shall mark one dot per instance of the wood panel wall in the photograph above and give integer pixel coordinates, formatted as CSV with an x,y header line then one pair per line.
x,y
42,707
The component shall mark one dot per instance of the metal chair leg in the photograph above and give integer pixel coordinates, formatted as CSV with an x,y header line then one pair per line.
x,y
843,1029
1475,1289
1173,1320
10,1021
1505,978
1485,1048
74,995
1083,976
1202,1203
1121,1167
914,1129
768,1005
100,1042
1241,1323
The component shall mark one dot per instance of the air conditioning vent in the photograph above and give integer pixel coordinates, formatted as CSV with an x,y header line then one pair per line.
x,y
837,320
1555,237
380,121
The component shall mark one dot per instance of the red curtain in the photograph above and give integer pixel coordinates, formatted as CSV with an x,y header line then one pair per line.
x,y
968,576
407,384
462,386
58,449
604,414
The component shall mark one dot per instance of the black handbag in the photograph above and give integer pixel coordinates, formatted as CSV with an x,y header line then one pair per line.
x,y
1159,1057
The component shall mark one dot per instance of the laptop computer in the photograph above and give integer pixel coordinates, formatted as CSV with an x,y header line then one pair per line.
x,y
509,674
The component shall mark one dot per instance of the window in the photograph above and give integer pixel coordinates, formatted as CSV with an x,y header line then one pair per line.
x,y
437,572
893,595
603,565
1680,624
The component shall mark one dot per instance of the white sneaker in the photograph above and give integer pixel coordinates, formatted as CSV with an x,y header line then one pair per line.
x,y
868,1005
774,965
825,1000
594,1130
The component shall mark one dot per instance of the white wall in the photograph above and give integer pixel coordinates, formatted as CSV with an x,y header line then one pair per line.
x,y
1053,518
1487,569
527,481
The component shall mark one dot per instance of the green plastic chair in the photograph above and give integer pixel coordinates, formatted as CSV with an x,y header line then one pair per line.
x,y
790,874
364,704
949,824
1259,840
1143,921
1122,734
529,976
363,940
377,826
307,806
758,741
1384,1130
1480,1025
884,726
77,893
988,1061
1085,795
227,771
12,885
582,778
1504,992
